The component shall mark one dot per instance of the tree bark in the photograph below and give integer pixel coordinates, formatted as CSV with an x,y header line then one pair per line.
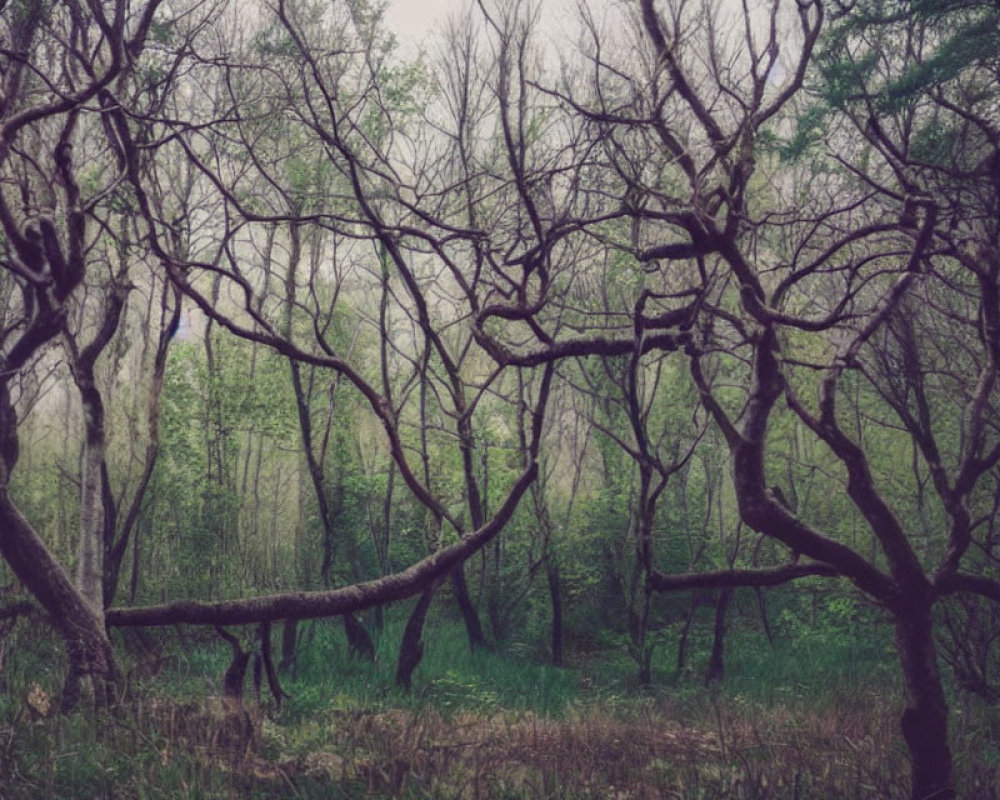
x,y
235,675
90,554
358,640
925,718
289,640
765,620
638,623
96,502
91,669
716,663
473,627
411,649
273,682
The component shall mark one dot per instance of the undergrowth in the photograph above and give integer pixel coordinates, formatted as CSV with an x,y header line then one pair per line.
x,y
804,718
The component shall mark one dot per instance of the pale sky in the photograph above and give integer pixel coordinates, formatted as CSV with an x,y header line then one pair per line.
x,y
412,20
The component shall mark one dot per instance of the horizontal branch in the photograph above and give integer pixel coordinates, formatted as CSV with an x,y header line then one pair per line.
x,y
955,582
577,348
735,578
310,605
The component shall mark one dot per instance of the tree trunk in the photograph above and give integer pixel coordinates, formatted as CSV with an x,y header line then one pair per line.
x,y
473,627
90,553
411,649
235,675
273,682
925,718
641,649
91,673
494,599
358,640
133,581
97,505
555,594
232,679
91,668
716,663
117,547
764,619
682,645
289,640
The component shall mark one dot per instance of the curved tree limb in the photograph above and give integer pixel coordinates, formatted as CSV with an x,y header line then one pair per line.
x,y
307,605
736,578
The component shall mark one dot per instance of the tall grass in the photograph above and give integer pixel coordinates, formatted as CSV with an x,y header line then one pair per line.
x,y
815,716
450,677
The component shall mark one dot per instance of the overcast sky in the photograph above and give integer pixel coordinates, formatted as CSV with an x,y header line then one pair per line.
x,y
412,20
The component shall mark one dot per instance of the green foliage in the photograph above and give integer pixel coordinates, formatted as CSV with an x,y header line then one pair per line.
x,y
866,55
162,31
845,81
212,421
934,142
810,127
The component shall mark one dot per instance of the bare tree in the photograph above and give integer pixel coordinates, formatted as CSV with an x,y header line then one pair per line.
x,y
368,219
50,86
810,289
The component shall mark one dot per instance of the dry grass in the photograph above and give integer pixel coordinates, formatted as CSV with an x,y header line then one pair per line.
x,y
738,752
731,748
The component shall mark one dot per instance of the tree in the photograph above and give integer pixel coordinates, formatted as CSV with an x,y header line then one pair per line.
x,y
814,293
366,218
50,87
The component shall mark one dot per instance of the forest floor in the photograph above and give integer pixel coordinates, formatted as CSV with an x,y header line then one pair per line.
x,y
487,725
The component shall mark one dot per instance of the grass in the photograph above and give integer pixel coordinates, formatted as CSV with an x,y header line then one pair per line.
x,y
806,719
450,677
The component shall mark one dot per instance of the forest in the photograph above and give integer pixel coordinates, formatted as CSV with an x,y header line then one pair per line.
x,y
599,408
